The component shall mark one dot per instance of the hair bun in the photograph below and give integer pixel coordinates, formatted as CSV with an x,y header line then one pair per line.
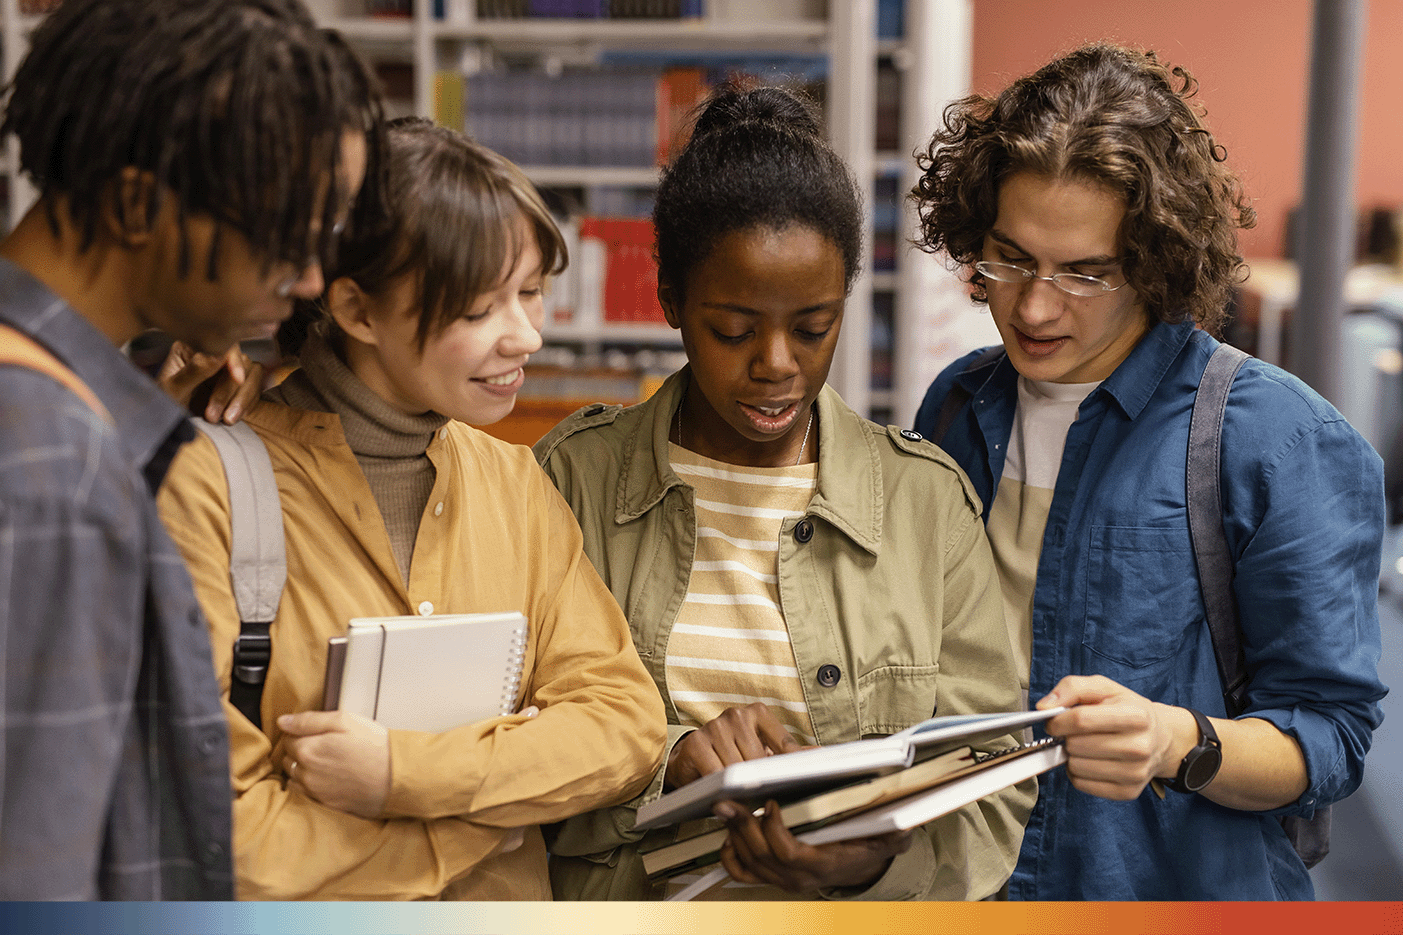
x,y
733,105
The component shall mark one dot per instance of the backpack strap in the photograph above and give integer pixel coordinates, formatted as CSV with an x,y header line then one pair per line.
x,y
1205,508
21,350
958,395
1310,837
257,557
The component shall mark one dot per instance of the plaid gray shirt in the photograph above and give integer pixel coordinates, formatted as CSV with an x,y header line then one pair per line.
x,y
114,777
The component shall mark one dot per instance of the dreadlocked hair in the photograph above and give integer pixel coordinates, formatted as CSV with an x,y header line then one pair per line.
x,y
236,108
449,219
1117,118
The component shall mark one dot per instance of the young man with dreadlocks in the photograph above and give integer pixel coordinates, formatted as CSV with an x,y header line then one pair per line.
x,y
195,159
1096,219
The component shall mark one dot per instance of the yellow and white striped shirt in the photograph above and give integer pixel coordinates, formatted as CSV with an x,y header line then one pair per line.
x,y
730,645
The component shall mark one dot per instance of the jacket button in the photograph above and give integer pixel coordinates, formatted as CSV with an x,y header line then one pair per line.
x,y
828,675
593,411
803,532
910,436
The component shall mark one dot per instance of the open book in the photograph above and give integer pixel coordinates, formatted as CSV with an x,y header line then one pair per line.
x,y
700,849
427,673
914,810
808,771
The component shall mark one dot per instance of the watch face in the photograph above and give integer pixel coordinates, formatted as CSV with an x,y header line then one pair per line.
x,y
1203,768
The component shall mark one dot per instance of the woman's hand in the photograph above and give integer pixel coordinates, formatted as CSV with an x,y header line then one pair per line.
x,y
232,380
763,851
734,735
342,760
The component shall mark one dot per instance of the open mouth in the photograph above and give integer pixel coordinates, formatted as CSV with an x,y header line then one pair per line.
x,y
773,418
505,384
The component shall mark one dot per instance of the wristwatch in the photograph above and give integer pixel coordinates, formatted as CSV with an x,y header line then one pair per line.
x,y
1200,764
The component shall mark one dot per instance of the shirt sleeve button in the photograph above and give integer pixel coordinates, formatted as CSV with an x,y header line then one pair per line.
x,y
438,508
803,531
828,675
425,608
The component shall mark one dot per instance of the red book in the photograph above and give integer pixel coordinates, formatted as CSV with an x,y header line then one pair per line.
x,y
630,275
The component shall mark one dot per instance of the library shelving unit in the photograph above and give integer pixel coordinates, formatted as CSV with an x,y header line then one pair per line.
x,y
450,35
906,315
16,22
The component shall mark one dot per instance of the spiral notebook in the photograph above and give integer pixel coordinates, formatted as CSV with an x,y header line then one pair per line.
x,y
427,673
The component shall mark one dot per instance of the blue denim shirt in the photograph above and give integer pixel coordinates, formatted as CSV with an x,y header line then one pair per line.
x,y
1117,594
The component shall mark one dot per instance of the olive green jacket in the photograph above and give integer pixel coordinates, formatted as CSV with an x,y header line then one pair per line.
x,y
889,591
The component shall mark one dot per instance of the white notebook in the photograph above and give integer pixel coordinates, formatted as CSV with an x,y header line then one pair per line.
x,y
427,673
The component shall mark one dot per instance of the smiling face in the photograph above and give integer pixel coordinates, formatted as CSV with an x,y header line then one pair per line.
x,y
760,324
247,298
1062,226
471,369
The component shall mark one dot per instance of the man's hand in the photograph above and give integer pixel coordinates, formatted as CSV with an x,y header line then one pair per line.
x,y
734,735
233,381
342,760
1117,740
764,851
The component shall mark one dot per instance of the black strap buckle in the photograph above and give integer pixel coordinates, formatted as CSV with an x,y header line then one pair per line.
x,y
253,650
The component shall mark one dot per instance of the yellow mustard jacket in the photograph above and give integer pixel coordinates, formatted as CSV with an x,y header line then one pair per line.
x,y
889,591
495,536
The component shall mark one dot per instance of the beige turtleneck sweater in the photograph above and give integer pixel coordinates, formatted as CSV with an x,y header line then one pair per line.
x,y
388,444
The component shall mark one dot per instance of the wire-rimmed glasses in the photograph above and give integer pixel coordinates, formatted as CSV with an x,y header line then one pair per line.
x,y
1071,283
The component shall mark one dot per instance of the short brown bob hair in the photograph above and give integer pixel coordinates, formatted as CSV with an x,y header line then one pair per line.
x,y
1115,117
450,203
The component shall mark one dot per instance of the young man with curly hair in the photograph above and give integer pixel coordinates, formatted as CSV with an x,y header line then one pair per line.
x,y
194,160
1094,216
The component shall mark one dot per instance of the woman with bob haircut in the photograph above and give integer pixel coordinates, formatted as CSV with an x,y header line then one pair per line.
x,y
392,505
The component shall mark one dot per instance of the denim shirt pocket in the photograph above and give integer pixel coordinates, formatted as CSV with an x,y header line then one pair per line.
x,y
1142,597
892,698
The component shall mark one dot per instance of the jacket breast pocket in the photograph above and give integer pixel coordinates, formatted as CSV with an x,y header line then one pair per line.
x,y
892,698
1142,597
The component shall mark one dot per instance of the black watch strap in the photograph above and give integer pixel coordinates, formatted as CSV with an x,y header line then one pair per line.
x,y
1200,764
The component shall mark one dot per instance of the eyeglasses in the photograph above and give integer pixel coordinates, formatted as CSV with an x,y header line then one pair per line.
x,y
289,281
1070,283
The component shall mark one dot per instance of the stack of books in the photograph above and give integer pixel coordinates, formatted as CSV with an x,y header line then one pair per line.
x,y
850,790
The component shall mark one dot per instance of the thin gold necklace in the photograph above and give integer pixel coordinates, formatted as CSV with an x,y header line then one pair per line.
x,y
802,445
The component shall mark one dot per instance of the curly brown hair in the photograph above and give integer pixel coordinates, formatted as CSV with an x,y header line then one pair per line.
x,y
1116,117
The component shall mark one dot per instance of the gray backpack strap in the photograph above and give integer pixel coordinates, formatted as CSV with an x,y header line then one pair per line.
x,y
1205,506
257,558
1310,837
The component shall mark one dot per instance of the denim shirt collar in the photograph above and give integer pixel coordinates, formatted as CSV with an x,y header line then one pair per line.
x,y
145,418
848,495
1131,384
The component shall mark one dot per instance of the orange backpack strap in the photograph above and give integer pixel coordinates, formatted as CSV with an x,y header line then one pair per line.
x,y
20,349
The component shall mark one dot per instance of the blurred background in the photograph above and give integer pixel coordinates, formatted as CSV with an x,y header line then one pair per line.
x,y
590,96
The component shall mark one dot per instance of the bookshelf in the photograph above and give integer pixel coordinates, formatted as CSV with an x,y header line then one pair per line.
x,y
907,314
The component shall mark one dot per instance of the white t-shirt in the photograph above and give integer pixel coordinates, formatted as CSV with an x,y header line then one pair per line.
x,y
1018,516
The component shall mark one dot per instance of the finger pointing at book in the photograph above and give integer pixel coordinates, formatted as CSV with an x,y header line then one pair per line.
x,y
736,734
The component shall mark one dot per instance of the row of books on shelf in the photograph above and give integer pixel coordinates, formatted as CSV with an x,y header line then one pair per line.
x,y
613,117
612,276
593,9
